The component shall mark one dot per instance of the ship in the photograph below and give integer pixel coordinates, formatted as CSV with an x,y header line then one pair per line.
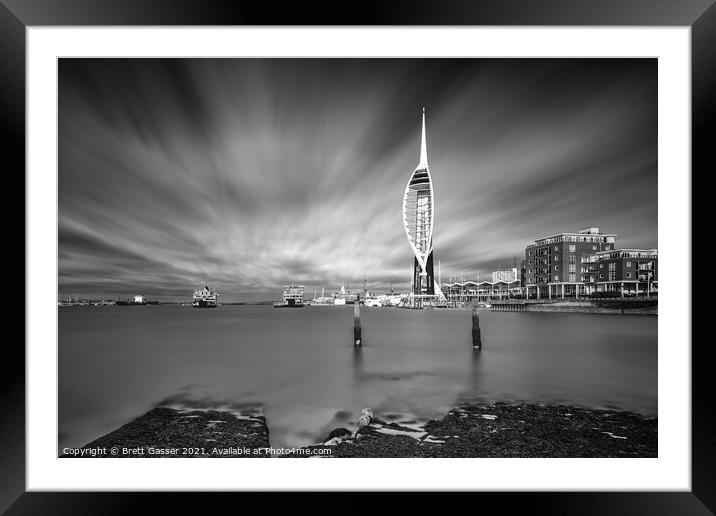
x,y
372,301
292,297
204,298
323,300
138,300
344,297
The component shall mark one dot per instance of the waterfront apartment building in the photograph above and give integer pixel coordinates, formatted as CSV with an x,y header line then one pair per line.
x,y
567,265
553,265
508,275
587,262
626,271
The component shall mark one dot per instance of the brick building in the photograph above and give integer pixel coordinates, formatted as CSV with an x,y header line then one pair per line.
x,y
554,265
627,271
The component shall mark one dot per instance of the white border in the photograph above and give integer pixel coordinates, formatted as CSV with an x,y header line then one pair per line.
x,y
672,470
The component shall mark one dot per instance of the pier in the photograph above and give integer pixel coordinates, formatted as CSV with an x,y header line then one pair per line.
x,y
511,305
357,341
476,332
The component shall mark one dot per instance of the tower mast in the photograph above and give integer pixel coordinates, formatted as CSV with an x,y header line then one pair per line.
x,y
423,147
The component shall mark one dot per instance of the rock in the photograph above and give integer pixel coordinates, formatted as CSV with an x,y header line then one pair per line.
x,y
505,430
366,417
341,433
334,441
164,428
363,421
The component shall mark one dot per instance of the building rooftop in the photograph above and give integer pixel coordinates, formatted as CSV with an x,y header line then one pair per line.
x,y
645,251
580,233
476,283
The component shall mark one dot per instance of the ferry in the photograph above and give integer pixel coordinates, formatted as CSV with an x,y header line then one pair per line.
x,y
204,298
372,301
292,297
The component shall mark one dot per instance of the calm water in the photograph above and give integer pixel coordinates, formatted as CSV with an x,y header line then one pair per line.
x,y
299,365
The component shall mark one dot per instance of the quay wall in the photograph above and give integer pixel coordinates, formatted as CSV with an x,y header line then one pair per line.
x,y
617,306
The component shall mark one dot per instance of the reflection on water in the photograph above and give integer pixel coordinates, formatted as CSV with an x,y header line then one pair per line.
x,y
357,364
476,355
300,366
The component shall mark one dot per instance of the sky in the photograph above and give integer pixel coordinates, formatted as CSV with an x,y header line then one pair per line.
x,y
249,174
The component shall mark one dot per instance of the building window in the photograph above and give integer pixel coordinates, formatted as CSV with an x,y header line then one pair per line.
x,y
612,266
556,278
628,264
556,248
601,276
572,277
572,248
612,275
572,267
556,258
572,258
628,274
601,265
556,267
594,248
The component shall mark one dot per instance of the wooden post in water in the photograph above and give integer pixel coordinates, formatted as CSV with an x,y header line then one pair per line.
x,y
476,337
356,322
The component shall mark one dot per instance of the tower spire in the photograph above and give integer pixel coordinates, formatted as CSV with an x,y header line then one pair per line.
x,y
423,147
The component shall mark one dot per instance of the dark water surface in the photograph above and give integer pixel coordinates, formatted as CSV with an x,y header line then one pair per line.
x,y
300,367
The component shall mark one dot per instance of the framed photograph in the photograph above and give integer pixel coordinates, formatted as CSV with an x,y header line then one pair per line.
x,y
421,247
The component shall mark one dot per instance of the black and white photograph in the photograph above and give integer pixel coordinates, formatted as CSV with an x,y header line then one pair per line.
x,y
357,257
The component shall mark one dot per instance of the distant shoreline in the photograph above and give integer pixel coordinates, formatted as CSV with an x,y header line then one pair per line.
x,y
627,307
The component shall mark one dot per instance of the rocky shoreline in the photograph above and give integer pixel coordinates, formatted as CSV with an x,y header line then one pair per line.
x,y
496,430
168,432
503,430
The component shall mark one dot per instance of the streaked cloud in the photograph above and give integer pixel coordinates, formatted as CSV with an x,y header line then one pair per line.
x,y
249,174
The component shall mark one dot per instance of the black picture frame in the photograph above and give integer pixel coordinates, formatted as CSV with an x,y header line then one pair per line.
x,y
17,15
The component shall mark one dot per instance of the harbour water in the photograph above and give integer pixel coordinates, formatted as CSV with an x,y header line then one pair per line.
x,y
300,368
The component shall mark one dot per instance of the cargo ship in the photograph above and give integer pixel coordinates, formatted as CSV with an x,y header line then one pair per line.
x,y
292,297
204,298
